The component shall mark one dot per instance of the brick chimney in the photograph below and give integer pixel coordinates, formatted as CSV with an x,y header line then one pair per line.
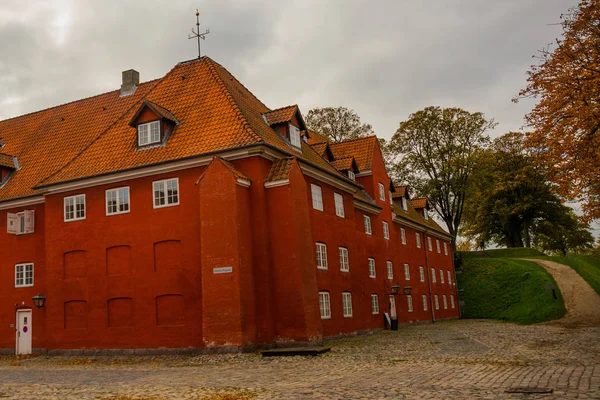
x,y
131,80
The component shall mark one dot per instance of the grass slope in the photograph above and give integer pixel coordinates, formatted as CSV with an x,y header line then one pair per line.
x,y
588,267
519,252
510,290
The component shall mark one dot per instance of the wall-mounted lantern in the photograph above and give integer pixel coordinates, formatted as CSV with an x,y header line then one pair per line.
x,y
39,300
394,290
407,290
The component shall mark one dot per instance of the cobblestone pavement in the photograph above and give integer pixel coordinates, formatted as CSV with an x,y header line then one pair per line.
x,y
449,360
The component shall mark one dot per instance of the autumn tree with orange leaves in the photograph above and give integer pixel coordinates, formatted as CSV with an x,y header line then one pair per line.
x,y
565,122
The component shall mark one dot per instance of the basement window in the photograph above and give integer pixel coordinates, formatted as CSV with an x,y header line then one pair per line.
x,y
148,133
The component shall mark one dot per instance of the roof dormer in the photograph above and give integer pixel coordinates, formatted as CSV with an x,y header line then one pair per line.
x,y
401,196
422,206
8,165
289,123
154,124
347,166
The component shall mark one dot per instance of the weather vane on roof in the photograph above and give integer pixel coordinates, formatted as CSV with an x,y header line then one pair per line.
x,y
196,33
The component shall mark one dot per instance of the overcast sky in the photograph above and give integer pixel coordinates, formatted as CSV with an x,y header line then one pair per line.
x,y
384,59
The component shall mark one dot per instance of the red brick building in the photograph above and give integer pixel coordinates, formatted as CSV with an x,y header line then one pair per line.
x,y
184,213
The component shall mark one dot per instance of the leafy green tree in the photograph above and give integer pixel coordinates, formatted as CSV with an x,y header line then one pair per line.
x,y
337,123
563,234
435,152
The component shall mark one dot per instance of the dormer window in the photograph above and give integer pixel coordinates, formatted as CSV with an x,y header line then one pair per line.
x,y
425,214
148,133
351,175
404,204
295,136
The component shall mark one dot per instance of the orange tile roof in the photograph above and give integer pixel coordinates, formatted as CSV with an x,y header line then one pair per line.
x,y
280,169
320,148
419,203
158,110
412,215
362,149
233,169
343,164
315,137
281,115
7,160
400,191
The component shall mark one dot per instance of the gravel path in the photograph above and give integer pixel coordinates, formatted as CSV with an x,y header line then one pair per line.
x,y
581,301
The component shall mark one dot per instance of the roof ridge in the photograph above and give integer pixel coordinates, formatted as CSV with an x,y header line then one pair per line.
x,y
230,98
355,139
72,102
85,148
281,108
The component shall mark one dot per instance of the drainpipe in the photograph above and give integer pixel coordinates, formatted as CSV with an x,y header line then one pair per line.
x,y
432,307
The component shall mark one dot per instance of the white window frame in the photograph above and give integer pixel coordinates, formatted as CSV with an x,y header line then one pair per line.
x,y
372,270
425,214
445,301
339,205
436,301
347,304
75,212
406,272
429,244
418,236
403,235
317,197
404,204
424,299
344,260
374,304
442,276
386,231
351,175
390,270
148,126
381,191
433,277
116,192
437,245
391,198
165,183
21,221
445,249
295,140
367,221
325,305
422,273
321,255
23,271
409,302
449,277
452,301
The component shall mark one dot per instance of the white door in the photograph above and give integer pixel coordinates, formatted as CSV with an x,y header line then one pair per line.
x,y
393,307
24,332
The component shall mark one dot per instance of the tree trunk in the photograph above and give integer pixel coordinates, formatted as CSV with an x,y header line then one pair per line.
x,y
527,236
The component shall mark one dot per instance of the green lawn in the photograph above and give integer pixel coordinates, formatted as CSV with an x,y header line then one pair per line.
x,y
588,267
519,252
510,290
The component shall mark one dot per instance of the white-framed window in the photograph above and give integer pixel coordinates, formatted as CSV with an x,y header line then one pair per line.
x,y
367,220
390,270
404,204
441,276
325,305
424,299
445,301
437,244
452,300
403,235
429,243
372,273
418,237
339,204
374,304
117,201
24,275
445,249
321,255
351,175
148,133
426,214
20,223
166,193
391,198
436,301
347,304
381,192
74,207
449,278
406,272
344,262
409,303
386,230
295,136
317,196
433,278
421,273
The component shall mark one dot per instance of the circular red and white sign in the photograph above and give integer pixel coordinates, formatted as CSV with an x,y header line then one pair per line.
x,y
25,329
